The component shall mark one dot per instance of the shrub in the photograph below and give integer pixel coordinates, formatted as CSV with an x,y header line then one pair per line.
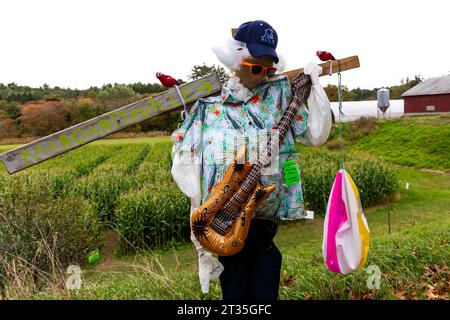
x,y
351,131
377,182
43,233
362,127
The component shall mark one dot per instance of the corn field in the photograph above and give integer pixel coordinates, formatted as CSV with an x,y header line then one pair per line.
x,y
129,188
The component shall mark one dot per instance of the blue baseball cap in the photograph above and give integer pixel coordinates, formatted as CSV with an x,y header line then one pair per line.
x,y
259,36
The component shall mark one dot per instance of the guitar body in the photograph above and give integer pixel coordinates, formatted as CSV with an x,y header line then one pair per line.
x,y
221,224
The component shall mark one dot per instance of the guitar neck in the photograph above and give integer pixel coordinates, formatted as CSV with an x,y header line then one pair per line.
x,y
301,89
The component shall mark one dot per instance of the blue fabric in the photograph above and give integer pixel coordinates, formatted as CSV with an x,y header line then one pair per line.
x,y
259,36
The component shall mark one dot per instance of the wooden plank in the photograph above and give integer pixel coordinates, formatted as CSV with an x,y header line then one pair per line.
x,y
347,63
342,65
101,126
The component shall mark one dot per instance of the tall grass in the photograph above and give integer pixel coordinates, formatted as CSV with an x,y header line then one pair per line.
x,y
41,235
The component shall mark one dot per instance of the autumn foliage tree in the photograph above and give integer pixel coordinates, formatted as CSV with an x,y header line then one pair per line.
x,y
8,128
42,119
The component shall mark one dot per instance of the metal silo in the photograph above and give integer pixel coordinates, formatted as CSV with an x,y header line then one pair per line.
x,y
383,102
383,99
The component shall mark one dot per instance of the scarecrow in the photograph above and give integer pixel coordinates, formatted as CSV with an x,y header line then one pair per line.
x,y
252,102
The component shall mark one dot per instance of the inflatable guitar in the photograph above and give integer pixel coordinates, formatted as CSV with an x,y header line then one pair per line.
x,y
222,222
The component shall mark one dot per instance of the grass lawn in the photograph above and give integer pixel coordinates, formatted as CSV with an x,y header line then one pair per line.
x,y
420,142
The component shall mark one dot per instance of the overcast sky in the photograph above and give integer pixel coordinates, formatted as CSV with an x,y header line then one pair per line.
x,y
85,43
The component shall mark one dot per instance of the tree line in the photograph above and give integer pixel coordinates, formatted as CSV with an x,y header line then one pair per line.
x,y
27,111
358,94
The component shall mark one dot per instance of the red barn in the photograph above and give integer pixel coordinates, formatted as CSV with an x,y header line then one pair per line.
x,y
429,96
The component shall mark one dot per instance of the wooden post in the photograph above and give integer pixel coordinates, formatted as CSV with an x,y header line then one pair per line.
x,y
337,65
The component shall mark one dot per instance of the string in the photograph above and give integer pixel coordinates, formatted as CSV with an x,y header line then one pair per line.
x,y
341,154
184,113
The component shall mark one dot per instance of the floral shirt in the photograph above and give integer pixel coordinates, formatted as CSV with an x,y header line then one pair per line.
x,y
214,124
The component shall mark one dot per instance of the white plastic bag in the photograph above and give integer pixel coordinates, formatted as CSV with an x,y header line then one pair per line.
x,y
209,268
186,172
319,110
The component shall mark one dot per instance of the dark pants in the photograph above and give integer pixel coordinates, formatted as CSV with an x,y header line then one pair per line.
x,y
254,272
